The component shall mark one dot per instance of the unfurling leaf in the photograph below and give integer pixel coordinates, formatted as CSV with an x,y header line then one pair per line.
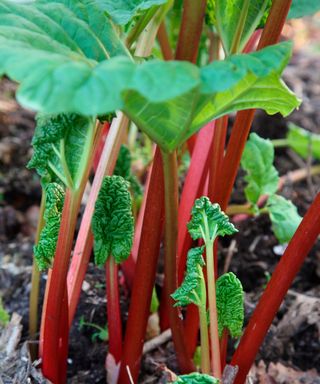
x,y
227,18
230,305
45,250
284,217
304,142
208,217
190,289
197,378
257,161
59,145
112,221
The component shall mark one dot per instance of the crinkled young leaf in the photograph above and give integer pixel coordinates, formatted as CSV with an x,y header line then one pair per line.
x,y
122,11
168,100
112,221
227,18
197,378
284,217
304,142
230,305
257,160
300,8
44,251
218,222
59,137
190,289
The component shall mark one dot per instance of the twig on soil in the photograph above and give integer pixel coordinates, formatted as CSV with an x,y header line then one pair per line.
x,y
231,250
154,343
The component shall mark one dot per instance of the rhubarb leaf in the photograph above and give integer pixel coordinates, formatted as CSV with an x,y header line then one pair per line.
x,y
230,305
122,11
60,144
207,215
112,221
300,8
304,142
190,289
227,19
197,378
169,101
44,251
284,217
257,160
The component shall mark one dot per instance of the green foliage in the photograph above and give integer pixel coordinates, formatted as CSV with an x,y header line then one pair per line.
x,y
154,302
100,333
228,16
300,8
60,143
209,221
230,305
257,161
197,378
112,221
284,217
123,169
122,11
210,12
168,100
303,142
190,289
4,315
44,251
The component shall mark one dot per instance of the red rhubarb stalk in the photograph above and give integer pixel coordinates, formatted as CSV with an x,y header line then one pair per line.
x,y
282,278
113,310
145,272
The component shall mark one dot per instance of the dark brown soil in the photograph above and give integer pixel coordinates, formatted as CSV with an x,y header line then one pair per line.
x,y
254,258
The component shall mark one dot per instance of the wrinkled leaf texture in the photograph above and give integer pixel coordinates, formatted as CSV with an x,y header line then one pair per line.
x,y
284,217
218,221
197,378
230,305
257,160
44,251
51,131
190,289
112,221
60,55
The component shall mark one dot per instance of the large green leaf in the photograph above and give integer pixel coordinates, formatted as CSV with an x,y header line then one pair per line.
x,y
257,160
284,217
123,11
300,8
227,18
168,100
303,142
112,221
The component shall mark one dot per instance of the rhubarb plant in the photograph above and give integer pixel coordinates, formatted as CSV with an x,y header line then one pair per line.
x,y
78,61
207,223
263,179
112,227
